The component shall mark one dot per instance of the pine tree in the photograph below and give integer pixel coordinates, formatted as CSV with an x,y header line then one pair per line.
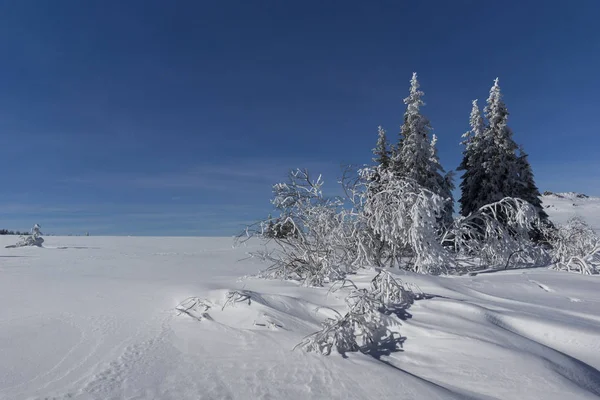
x,y
472,162
416,157
382,151
528,190
396,164
492,168
440,182
499,149
490,159
412,155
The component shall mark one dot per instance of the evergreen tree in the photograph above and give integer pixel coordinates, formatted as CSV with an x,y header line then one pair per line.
x,y
382,151
412,155
499,149
528,190
416,157
441,182
492,168
472,162
490,157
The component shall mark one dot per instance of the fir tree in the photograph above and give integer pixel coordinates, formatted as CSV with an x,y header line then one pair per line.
x,y
490,159
382,151
492,169
412,155
528,190
472,162
440,182
499,149
416,156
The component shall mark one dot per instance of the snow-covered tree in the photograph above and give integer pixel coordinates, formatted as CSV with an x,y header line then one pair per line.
x,y
382,157
492,168
499,158
528,190
404,214
497,232
35,239
441,182
416,156
472,162
382,150
489,162
411,160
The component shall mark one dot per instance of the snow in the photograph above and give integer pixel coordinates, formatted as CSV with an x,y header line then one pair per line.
x,y
94,318
563,206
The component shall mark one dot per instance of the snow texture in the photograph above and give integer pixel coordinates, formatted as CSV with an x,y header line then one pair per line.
x,y
563,206
95,318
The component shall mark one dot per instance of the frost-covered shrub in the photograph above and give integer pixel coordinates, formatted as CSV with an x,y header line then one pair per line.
x,y
390,291
337,333
575,238
405,215
575,247
386,220
317,251
378,222
195,307
358,328
277,229
35,239
363,327
498,233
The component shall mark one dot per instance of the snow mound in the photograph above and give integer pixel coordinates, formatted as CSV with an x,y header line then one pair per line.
x,y
250,310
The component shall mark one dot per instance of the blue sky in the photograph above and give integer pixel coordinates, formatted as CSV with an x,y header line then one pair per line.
x,y
174,118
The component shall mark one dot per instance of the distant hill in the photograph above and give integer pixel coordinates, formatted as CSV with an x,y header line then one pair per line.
x,y
562,206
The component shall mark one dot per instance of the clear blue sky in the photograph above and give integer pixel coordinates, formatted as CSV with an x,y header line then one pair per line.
x,y
175,117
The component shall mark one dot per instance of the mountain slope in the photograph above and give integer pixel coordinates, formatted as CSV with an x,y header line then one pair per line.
x,y
563,206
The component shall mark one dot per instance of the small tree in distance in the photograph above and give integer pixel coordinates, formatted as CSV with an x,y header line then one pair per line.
x,y
34,239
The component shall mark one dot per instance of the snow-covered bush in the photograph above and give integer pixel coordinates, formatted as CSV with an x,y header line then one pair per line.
x,y
378,222
575,247
317,251
363,326
391,291
358,328
498,233
404,214
387,220
575,238
337,333
35,239
276,229
194,307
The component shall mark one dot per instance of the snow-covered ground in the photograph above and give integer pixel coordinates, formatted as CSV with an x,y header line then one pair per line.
x,y
94,318
563,206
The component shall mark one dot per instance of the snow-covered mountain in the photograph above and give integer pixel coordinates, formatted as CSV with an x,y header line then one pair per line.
x,y
563,206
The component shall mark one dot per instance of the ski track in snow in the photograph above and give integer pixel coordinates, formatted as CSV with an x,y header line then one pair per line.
x,y
93,318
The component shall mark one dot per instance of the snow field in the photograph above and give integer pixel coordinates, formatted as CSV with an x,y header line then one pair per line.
x,y
95,318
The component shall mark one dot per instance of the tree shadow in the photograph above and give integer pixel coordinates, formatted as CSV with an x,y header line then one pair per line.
x,y
387,343
398,311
